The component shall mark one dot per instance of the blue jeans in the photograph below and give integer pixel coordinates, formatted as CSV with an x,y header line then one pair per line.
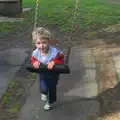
x,y
48,83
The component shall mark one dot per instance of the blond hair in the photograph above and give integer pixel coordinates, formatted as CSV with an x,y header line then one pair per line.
x,y
41,33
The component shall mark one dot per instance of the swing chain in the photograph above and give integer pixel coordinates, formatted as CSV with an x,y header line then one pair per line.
x,y
36,15
72,31
36,19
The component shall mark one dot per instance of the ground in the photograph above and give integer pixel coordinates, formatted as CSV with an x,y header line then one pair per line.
x,y
103,44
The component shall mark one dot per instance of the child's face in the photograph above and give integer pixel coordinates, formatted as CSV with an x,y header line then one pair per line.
x,y
42,45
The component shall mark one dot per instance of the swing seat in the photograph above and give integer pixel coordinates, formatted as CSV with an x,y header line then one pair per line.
x,y
61,69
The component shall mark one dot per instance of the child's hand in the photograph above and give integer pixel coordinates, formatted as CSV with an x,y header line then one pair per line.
x,y
51,64
36,64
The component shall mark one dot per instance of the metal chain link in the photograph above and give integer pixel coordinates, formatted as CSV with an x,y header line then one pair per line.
x,y
36,15
71,34
36,21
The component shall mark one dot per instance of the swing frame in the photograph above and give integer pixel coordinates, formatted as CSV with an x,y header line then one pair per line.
x,y
62,68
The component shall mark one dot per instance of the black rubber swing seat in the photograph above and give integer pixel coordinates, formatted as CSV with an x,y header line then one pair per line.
x,y
61,69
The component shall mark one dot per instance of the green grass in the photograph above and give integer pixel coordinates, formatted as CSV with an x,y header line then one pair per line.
x,y
55,12
14,109
6,96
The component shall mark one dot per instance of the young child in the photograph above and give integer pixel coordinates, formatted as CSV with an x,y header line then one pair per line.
x,y
49,55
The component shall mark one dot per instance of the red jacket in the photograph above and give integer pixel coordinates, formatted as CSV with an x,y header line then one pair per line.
x,y
59,59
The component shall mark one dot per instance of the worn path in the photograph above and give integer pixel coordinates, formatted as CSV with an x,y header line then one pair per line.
x,y
72,91
94,73
13,52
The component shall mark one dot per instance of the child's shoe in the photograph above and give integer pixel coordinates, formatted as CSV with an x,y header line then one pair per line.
x,y
47,106
43,97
